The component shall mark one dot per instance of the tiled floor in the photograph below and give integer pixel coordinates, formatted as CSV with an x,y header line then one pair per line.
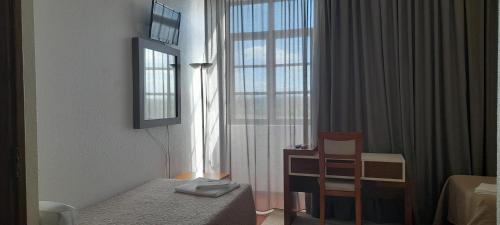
x,y
276,218
260,219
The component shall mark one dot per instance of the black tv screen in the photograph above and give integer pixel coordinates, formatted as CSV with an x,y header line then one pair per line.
x,y
165,23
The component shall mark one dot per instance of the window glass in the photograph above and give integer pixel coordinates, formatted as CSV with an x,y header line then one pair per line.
x,y
290,50
289,106
288,15
250,52
270,57
255,19
291,78
255,106
255,80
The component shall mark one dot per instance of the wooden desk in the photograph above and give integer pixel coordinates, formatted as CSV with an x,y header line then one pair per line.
x,y
380,171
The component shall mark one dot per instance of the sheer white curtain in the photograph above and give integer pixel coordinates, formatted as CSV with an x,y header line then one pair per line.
x,y
263,53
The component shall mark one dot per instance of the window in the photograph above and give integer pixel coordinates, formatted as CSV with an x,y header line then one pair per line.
x,y
271,56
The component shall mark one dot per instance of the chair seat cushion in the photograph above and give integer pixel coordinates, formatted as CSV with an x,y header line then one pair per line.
x,y
339,185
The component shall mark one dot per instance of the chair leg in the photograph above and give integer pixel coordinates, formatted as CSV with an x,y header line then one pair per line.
x,y
322,208
359,213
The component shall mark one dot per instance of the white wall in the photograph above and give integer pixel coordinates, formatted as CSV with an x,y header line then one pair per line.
x,y
188,134
87,148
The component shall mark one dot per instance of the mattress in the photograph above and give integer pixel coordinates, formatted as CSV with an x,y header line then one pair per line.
x,y
459,205
156,203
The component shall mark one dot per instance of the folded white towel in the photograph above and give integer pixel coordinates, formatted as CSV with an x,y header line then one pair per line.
x,y
191,188
487,189
213,184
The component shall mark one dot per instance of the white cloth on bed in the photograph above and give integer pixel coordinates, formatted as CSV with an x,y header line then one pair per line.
x,y
199,186
487,189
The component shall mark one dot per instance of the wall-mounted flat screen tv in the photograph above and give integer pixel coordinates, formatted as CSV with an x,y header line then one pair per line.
x,y
165,23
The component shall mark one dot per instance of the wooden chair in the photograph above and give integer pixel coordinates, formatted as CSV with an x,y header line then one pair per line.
x,y
340,151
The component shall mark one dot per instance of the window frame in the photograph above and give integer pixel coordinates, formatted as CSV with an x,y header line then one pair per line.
x,y
270,37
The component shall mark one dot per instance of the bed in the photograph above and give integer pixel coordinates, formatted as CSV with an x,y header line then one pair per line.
x,y
155,203
459,205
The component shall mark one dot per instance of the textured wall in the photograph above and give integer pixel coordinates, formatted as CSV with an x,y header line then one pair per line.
x,y
87,148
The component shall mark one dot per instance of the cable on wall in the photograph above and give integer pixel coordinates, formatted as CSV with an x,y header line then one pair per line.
x,y
168,151
165,149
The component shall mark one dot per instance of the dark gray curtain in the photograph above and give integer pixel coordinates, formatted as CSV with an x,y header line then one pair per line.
x,y
416,77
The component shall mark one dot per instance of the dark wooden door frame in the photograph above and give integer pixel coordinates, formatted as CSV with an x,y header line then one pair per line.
x,y
12,167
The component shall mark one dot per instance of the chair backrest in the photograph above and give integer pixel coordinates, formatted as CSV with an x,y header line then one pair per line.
x,y
334,147
340,150
341,145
